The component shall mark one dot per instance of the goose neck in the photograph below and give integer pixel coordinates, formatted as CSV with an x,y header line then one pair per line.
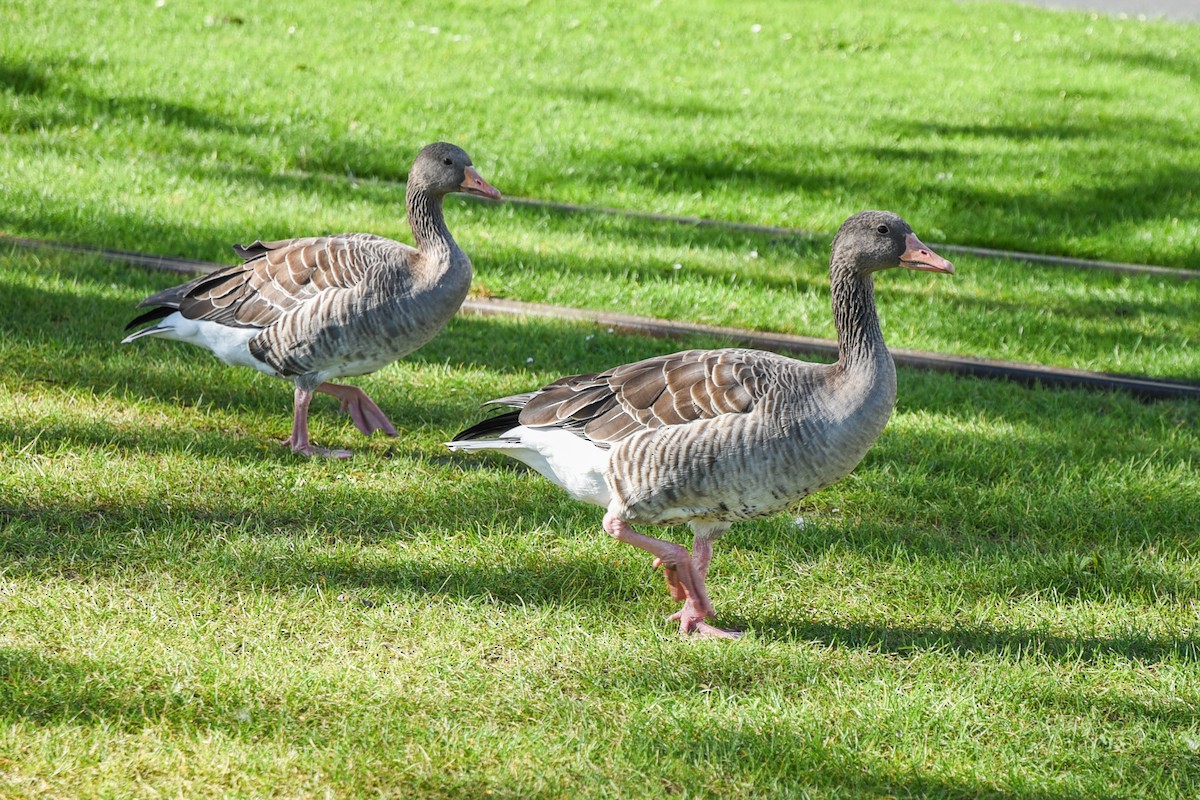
x,y
860,339
428,223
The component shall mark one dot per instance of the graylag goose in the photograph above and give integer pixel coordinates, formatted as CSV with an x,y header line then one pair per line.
x,y
711,437
318,308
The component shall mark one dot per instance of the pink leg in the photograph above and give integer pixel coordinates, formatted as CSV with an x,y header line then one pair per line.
x,y
298,441
367,416
673,585
692,617
681,575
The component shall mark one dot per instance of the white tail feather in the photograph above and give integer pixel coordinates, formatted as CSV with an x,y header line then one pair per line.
x,y
151,331
485,444
572,462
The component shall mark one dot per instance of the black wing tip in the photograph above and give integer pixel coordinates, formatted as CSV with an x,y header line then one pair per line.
x,y
153,315
492,426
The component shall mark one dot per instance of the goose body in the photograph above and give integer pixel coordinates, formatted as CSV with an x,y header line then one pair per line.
x,y
713,437
315,309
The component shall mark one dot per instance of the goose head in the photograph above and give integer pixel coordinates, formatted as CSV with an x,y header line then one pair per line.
x,y
871,241
442,168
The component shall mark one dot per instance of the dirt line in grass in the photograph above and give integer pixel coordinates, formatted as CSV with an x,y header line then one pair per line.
x,y
1141,386
772,230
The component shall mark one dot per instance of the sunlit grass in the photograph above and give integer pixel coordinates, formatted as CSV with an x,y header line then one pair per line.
x,y
1000,601
183,130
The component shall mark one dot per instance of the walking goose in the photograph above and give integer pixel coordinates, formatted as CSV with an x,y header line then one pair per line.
x,y
710,437
318,308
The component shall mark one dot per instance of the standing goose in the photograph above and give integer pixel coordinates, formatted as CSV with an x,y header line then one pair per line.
x,y
318,308
710,437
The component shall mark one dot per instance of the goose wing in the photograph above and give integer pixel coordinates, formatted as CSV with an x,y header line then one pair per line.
x,y
276,278
665,390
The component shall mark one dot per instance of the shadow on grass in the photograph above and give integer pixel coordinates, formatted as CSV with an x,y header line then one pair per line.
x,y
1182,62
801,766
1025,118
284,545
29,211
973,642
1047,210
910,175
822,762
627,99
71,104
289,543
50,691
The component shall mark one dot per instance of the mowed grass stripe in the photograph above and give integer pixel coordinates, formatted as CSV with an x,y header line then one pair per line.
x,y
183,132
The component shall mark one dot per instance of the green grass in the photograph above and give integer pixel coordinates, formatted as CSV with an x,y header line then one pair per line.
x,y
986,122
1000,602
183,129
991,308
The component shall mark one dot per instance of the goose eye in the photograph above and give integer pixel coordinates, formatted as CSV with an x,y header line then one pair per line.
x,y
882,229
448,161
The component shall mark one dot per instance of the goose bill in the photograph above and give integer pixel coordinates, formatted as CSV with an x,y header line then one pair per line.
x,y
918,256
474,183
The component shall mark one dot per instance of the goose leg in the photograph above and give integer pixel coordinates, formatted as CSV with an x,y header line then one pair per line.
x,y
673,585
367,416
298,441
705,533
677,562
691,617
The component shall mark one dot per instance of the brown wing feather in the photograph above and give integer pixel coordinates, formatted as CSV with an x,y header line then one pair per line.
x,y
277,277
585,403
610,427
667,390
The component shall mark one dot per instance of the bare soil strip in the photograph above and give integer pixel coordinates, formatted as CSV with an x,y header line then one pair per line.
x,y
1030,374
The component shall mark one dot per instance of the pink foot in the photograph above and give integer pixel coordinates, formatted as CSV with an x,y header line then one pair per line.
x,y
365,415
309,449
692,618
684,578
691,623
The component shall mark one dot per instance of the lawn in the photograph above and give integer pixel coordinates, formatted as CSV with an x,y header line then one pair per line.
x,y
986,123
182,129
1001,601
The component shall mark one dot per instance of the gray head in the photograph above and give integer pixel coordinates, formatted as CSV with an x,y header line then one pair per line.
x,y
442,168
873,240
